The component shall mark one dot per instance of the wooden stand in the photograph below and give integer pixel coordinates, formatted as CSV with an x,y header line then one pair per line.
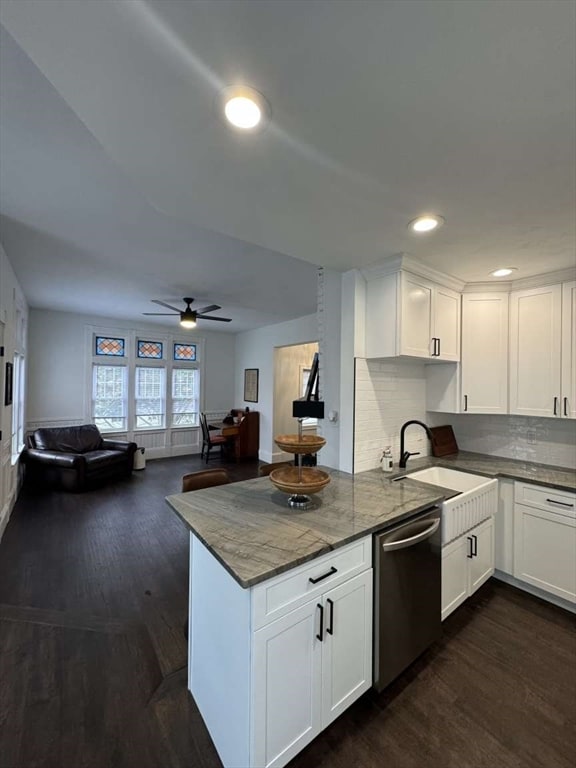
x,y
299,481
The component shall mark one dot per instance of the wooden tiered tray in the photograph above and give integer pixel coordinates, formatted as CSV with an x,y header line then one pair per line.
x,y
288,480
300,444
299,481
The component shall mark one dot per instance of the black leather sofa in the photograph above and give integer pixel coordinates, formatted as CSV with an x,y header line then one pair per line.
x,y
76,458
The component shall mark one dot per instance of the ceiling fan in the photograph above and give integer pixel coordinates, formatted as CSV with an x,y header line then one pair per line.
x,y
188,316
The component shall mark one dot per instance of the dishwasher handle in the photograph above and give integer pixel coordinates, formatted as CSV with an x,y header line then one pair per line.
x,y
412,540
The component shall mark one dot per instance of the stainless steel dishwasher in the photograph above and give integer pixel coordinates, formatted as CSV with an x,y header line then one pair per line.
x,y
407,595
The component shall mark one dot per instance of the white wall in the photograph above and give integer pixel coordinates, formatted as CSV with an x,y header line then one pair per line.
x,y
255,349
545,441
13,319
387,395
57,370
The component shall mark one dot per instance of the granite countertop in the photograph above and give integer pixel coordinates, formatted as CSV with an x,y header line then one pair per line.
x,y
251,530
561,478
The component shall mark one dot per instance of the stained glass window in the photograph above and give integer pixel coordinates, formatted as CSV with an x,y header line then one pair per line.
x,y
185,352
150,349
110,347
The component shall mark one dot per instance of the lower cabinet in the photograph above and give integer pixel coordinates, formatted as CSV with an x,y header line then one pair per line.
x,y
467,562
309,666
545,539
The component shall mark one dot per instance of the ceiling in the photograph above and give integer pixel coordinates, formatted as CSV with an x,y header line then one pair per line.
x,y
120,182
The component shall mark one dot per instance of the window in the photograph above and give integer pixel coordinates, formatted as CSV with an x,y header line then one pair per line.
x,y
109,395
185,396
110,347
150,397
150,349
18,404
185,352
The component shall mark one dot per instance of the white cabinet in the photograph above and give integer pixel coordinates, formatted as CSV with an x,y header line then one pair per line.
x,y
271,666
484,367
467,562
310,666
568,375
545,539
535,351
409,316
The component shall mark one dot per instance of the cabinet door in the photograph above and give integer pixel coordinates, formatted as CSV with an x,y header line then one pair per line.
x,y
535,328
485,353
481,564
545,550
446,323
454,574
415,317
347,645
287,675
569,350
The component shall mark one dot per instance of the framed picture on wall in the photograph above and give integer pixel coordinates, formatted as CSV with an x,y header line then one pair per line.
x,y
8,384
251,385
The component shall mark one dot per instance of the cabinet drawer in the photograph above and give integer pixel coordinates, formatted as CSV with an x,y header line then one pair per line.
x,y
549,499
277,596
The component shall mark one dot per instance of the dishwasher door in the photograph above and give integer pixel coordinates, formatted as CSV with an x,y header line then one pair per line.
x,y
407,594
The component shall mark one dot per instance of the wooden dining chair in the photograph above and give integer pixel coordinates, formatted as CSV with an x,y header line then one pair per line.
x,y
209,440
206,478
265,469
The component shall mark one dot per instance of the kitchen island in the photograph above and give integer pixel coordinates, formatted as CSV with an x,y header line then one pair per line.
x,y
280,627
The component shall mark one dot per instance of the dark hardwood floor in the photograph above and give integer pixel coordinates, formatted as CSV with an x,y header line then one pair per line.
x,y
93,592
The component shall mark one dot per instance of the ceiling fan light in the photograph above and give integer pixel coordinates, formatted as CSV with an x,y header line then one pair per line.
x,y
188,319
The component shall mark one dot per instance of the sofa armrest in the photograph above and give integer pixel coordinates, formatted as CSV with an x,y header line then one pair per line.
x,y
55,458
119,445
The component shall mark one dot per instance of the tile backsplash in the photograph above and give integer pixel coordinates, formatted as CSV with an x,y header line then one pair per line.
x,y
388,393
545,441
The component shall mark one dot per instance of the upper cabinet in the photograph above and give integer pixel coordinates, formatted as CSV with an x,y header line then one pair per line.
x,y
536,342
407,315
485,353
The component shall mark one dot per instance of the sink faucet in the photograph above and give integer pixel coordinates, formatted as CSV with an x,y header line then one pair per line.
x,y
405,455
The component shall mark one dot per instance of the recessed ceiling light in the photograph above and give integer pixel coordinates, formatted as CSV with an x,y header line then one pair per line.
x,y
244,108
503,272
426,223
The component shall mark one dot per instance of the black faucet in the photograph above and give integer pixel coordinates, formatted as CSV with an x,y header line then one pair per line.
x,y
405,455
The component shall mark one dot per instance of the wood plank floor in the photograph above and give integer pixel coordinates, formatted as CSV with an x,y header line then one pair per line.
x,y
93,592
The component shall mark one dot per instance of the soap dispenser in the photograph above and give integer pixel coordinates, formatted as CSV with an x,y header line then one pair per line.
x,y
386,461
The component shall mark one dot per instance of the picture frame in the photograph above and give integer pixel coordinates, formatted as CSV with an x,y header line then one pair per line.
x,y
8,384
251,385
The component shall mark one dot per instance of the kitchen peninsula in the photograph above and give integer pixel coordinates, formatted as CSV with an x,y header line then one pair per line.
x,y
267,583
264,675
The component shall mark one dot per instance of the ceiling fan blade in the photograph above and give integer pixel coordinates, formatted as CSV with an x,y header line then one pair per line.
x,y
219,319
163,304
164,314
211,308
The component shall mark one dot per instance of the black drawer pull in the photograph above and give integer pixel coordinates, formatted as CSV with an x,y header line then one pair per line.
x,y
470,553
324,576
565,406
555,406
475,545
562,503
319,636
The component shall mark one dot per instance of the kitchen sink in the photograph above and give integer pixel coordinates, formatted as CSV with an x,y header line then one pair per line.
x,y
476,500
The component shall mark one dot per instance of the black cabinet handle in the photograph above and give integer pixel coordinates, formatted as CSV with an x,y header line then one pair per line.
x,y
324,576
319,636
562,503
555,406
474,545
470,554
438,354
465,402
330,629
434,352
565,406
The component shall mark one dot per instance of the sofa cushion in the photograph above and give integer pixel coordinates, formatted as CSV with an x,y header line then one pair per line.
x,y
69,439
99,459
